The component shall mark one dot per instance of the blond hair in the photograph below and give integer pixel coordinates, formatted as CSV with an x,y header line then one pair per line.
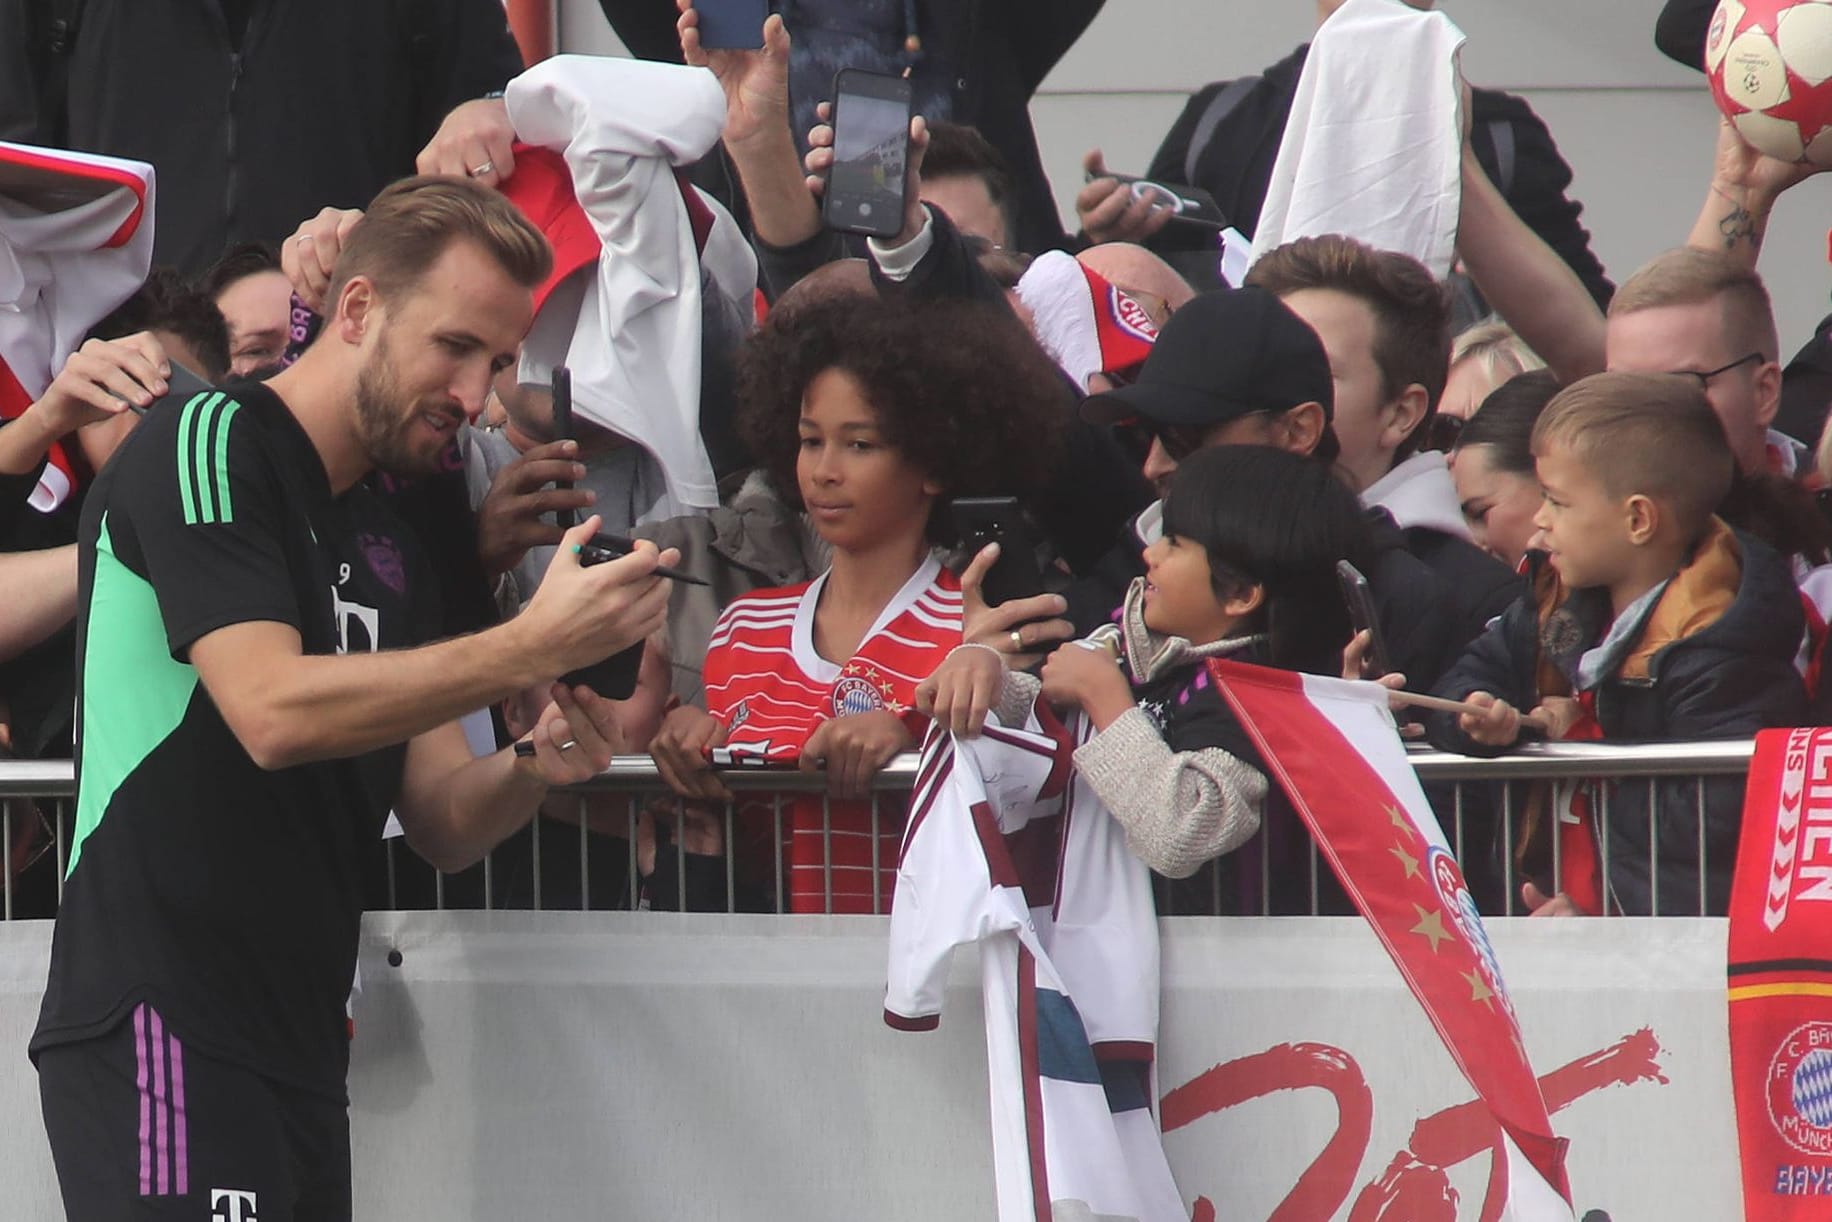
x,y
415,220
1644,434
1688,276
1493,345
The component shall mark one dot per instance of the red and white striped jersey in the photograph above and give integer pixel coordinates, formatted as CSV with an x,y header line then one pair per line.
x,y
770,689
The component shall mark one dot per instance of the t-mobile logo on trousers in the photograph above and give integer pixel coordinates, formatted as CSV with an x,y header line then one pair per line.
x,y
237,1206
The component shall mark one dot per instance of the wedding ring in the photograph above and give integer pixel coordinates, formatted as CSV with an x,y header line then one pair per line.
x,y
1017,641
483,169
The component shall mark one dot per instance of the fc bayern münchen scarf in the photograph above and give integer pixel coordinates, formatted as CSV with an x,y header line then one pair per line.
x,y
1780,966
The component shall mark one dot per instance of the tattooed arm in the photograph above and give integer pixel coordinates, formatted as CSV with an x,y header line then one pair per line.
x,y
1744,187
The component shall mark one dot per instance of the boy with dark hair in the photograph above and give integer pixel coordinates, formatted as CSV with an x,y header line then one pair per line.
x,y
1649,619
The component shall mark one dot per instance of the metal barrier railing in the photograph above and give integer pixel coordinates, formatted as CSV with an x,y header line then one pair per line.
x,y
620,841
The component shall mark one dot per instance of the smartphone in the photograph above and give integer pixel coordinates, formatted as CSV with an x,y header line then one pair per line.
x,y
182,384
1363,618
563,431
980,520
731,25
737,757
1194,212
614,677
871,147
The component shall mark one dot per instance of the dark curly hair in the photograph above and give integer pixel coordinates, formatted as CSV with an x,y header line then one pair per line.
x,y
961,389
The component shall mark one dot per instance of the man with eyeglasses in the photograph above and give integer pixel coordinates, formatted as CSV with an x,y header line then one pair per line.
x,y
1707,315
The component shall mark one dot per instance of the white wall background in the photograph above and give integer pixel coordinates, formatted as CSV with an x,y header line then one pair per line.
x,y
574,1066
1637,129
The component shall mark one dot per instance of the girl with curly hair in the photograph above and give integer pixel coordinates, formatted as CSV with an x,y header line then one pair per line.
x,y
869,415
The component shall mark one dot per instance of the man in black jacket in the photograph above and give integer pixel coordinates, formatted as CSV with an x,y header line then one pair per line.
x,y
254,112
1227,139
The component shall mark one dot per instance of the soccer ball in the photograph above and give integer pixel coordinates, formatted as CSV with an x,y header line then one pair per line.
x,y
1770,66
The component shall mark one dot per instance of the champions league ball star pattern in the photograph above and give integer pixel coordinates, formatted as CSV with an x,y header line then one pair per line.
x,y
1769,62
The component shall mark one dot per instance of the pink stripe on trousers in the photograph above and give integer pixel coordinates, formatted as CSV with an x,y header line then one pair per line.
x,y
161,1151
146,1103
181,1155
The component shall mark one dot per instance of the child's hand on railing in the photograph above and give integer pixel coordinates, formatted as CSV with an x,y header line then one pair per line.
x,y
679,751
1559,714
963,689
1493,722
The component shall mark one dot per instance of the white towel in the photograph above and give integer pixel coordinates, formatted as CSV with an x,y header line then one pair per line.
x,y
76,238
1373,147
631,334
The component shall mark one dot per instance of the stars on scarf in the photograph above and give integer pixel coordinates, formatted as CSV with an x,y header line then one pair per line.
x,y
1478,989
1398,818
1431,927
1406,860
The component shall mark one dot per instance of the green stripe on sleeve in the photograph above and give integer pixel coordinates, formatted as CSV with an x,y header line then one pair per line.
x,y
225,512
185,423
200,466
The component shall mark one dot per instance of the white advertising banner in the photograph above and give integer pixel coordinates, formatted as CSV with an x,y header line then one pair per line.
x,y
561,1066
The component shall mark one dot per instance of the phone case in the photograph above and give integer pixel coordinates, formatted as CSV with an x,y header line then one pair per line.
x,y
731,25
862,197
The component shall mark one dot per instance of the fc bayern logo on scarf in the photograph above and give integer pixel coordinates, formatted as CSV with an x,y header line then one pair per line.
x,y
1461,907
1800,1089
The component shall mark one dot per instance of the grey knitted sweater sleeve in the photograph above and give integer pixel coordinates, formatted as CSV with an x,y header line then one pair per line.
x,y
1179,808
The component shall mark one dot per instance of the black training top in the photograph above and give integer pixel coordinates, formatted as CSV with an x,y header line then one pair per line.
x,y
227,896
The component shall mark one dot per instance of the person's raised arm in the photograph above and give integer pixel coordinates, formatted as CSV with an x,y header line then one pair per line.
x,y
287,707
99,381
1744,187
1525,280
757,134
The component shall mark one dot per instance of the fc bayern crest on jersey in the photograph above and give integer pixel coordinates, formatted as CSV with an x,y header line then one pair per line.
x,y
1800,1089
1132,316
1461,907
384,557
861,690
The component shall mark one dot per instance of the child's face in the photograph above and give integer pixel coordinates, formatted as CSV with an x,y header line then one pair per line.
x,y
1585,530
859,490
1179,597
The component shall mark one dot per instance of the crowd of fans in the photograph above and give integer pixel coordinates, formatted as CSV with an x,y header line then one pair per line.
x,y
1630,555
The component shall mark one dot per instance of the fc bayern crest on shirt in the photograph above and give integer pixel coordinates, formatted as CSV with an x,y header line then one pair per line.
x,y
1800,1088
384,557
863,690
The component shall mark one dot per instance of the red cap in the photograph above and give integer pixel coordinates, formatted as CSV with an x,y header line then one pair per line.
x,y
542,189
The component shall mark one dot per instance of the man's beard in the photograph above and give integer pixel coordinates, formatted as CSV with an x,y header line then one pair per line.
x,y
383,425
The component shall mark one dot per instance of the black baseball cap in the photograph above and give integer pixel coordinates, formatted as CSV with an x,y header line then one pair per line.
x,y
1223,355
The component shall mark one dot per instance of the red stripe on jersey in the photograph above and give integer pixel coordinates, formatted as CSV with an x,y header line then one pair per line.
x,y
768,687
